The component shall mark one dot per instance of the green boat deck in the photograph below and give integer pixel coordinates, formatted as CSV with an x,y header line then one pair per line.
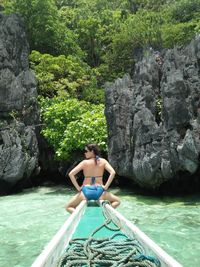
x,y
90,238
98,242
92,219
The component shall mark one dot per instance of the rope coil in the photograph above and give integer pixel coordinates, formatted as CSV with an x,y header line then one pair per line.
x,y
106,252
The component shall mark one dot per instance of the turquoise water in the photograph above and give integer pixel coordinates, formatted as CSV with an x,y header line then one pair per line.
x,y
28,221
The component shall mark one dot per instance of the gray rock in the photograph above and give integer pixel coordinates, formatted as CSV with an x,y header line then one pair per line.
x,y
18,154
18,104
188,154
154,117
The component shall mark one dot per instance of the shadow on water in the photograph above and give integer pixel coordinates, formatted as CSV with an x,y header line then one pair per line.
x,y
51,189
181,190
152,198
165,193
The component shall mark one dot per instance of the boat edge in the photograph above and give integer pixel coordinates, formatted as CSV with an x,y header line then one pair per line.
x,y
47,258
124,223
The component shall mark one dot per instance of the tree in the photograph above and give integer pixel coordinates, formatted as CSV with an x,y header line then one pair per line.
x,y
178,33
45,31
68,76
184,11
139,30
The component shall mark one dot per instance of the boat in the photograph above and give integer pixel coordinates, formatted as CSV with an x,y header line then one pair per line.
x,y
85,219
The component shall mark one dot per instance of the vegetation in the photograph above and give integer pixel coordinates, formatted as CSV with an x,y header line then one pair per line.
x,y
65,76
78,45
70,124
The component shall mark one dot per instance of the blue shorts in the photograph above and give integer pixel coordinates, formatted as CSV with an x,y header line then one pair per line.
x,y
92,192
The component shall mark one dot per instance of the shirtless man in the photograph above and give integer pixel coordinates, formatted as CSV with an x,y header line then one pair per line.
x,y
93,188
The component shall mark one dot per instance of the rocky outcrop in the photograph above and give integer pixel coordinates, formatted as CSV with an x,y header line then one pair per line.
x,y
18,104
154,117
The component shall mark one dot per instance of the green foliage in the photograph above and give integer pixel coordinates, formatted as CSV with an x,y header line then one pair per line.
x,y
70,124
139,30
181,20
197,28
106,35
184,10
178,34
96,5
84,43
153,5
156,25
15,115
90,128
68,76
159,110
45,31
94,30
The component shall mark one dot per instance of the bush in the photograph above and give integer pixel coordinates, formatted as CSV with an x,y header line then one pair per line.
x,y
184,10
70,124
65,75
177,34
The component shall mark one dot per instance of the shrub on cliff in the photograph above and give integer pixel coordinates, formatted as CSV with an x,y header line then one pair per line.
x,y
180,22
70,124
65,75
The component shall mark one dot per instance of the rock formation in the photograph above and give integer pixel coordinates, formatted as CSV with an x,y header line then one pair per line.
x,y
18,105
154,117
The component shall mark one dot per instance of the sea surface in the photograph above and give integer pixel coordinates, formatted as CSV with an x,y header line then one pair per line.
x,y
29,220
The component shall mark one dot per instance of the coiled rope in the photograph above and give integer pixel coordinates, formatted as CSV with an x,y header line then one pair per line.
x,y
115,251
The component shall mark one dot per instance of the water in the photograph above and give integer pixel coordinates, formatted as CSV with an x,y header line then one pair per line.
x,y
29,220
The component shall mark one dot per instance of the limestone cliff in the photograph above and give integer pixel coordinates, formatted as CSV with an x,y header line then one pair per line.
x,y
18,105
154,117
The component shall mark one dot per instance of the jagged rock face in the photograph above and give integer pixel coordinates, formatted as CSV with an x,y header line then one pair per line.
x,y
18,103
154,118
18,152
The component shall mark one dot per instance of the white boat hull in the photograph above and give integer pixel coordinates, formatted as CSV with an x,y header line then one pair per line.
x,y
54,250
132,231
